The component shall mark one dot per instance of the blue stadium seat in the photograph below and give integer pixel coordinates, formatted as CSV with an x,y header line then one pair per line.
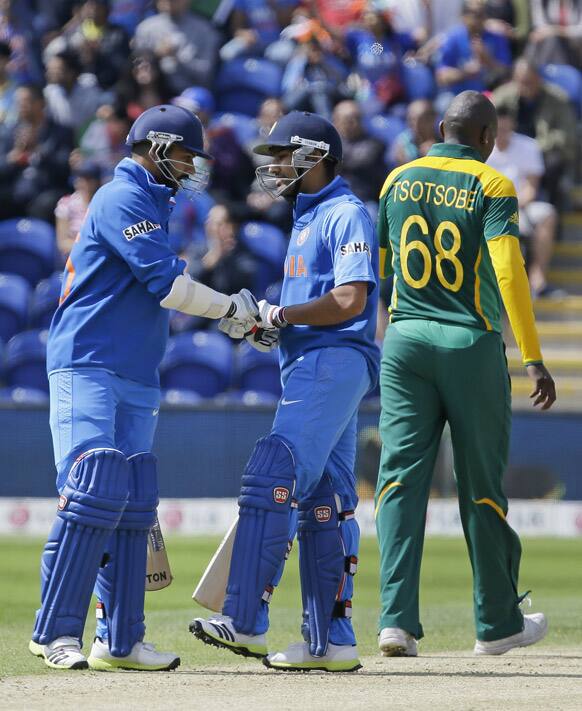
x,y
14,297
258,371
198,361
28,396
25,360
45,300
246,397
245,127
419,81
269,246
27,248
568,78
242,84
385,128
177,398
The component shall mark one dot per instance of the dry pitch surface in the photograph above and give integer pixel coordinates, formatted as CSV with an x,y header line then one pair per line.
x,y
546,680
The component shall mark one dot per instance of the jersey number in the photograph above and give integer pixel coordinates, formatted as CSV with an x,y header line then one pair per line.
x,y
443,254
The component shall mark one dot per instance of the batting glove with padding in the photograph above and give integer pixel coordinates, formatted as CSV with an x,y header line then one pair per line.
x,y
271,316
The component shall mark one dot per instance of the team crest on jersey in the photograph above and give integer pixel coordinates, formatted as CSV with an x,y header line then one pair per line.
x,y
280,494
302,236
322,513
515,218
355,248
140,228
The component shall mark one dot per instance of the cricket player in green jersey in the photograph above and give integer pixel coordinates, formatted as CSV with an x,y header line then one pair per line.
x,y
448,228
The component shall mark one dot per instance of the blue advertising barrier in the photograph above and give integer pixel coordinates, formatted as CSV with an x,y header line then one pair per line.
x,y
202,451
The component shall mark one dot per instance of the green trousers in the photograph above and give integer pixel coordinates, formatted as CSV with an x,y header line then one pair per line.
x,y
433,373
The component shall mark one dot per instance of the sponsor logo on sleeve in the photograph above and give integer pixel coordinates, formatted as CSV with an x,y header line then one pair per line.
x,y
62,502
355,248
140,228
280,494
322,513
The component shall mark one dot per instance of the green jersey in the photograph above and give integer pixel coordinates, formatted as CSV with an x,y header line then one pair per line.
x,y
436,216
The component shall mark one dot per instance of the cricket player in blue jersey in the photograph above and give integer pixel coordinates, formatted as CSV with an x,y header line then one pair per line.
x,y
106,341
301,476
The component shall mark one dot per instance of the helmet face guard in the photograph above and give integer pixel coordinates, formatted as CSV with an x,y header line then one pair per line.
x,y
303,159
196,181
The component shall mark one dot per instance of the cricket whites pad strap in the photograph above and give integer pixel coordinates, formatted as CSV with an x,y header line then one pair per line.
x,y
90,506
322,563
192,297
121,579
262,534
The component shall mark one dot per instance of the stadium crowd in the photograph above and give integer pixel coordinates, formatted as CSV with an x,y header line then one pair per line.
x,y
74,75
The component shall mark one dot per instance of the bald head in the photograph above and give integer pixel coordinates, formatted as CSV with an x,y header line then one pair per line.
x,y
471,120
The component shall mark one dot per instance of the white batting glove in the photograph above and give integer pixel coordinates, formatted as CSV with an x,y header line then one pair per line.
x,y
271,316
236,329
263,340
243,307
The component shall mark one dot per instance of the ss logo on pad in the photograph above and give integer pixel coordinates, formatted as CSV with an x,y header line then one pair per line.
x,y
280,494
322,513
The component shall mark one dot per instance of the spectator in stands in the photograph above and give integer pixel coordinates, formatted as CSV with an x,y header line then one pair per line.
x,y
261,206
16,28
71,209
72,98
377,51
557,32
363,156
229,157
420,135
472,57
104,139
424,20
142,85
255,26
270,112
185,43
34,159
312,80
520,159
542,112
337,16
8,109
224,261
102,47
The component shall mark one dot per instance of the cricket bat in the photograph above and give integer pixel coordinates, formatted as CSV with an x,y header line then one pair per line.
x,y
158,573
211,589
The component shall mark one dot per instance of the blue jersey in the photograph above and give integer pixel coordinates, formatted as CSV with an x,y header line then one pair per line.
x,y
119,270
333,242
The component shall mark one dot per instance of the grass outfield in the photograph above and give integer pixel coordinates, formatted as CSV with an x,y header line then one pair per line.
x,y
551,568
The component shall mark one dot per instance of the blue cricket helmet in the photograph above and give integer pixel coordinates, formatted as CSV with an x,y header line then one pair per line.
x,y
306,126
174,123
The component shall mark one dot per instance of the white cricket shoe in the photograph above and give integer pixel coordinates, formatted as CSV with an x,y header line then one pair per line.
x,y
395,642
535,628
219,631
143,657
297,657
61,653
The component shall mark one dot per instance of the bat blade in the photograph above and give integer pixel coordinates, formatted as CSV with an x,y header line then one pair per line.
x,y
211,589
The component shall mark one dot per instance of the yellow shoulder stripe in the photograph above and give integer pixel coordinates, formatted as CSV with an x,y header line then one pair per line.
x,y
494,184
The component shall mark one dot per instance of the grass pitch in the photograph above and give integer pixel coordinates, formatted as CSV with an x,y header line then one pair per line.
x,y
550,567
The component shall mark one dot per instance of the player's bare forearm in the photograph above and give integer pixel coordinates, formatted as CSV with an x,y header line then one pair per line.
x,y
340,304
